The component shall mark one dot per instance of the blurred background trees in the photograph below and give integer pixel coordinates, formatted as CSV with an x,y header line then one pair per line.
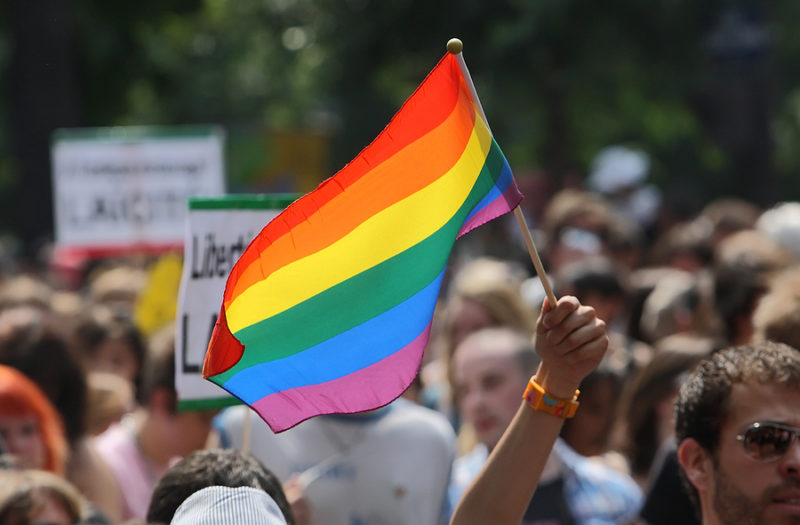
x,y
710,89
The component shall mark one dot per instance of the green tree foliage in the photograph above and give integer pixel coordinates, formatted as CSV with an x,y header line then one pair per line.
x,y
559,79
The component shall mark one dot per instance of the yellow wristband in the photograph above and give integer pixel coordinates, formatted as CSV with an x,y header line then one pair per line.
x,y
538,399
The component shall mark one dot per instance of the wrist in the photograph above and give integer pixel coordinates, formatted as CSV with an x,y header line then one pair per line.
x,y
557,387
541,400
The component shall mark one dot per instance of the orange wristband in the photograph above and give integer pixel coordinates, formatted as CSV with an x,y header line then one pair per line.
x,y
538,399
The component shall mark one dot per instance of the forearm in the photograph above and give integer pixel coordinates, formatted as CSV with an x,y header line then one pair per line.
x,y
502,490
571,341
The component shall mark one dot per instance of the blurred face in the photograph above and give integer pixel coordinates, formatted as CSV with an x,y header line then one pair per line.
x,y
489,387
191,430
53,513
749,490
23,440
468,317
117,357
587,432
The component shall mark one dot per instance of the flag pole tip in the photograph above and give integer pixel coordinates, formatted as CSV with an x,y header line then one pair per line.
x,y
454,46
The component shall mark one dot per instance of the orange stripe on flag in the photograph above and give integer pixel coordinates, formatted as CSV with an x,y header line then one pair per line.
x,y
405,173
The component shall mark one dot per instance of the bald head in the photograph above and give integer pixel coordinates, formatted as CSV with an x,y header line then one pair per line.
x,y
490,370
500,343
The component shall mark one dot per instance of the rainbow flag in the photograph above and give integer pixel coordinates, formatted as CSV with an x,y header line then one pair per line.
x,y
329,309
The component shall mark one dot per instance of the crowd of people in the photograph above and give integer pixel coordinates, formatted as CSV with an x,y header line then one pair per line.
x,y
680,334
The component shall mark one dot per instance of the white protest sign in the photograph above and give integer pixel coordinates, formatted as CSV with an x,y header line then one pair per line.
x,y
126,188
217,232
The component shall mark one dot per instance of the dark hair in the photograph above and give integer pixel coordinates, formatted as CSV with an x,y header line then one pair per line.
x,y
101,326
158,369
591,275
659,379
44,355
603,374
212,467
737,289
703,401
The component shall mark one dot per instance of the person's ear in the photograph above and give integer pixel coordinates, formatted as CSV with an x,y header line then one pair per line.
x,y
696,464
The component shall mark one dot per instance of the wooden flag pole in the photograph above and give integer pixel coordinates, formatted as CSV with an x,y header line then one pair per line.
x,y
537,262
246,431
455,46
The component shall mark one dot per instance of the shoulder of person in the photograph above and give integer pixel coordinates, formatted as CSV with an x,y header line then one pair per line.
x,y
417,421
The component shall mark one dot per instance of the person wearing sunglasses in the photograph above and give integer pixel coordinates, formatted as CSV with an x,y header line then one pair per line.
x,y
737,420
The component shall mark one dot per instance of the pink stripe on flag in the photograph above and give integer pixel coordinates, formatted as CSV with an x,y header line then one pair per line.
x,y
364,389
494,209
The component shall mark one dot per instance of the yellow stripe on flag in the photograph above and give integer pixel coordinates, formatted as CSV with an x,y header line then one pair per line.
x,y
382,236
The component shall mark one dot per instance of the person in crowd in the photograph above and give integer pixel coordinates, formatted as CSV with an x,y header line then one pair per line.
x,y
117,286
43,354
777,316
646,405
619,173
589,432
737,423
483,293
598,282
781,223
627,242
144,444
686,246
744,264
728,216
737,292
650,444
25,291
595,281
110,343
39,497
110,398
576,225
571,341
356,468
774,319
680,302
212,467
491,368
30,427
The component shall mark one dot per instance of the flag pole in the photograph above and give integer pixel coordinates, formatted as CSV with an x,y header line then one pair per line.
x,y
454,47
537,262
246,432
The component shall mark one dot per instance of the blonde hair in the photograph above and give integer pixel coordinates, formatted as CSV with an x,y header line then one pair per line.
x,y
777,316
24,494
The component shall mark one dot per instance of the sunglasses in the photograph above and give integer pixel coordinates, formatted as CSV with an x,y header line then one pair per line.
x,y
767,441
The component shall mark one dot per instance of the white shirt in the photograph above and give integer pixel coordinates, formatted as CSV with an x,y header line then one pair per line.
x,y
390,466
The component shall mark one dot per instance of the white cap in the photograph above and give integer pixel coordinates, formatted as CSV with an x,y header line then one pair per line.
x,y
229,506
782,224
617,167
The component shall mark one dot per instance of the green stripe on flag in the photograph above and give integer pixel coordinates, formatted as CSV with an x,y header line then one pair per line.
x,y
355,300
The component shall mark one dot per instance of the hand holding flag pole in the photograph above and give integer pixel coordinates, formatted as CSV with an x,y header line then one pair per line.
x,y
455,46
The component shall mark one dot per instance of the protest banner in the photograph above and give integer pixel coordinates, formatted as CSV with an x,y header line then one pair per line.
x,y
118,190
217,231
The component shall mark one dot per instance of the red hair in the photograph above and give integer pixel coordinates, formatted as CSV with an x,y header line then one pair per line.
x,y
19,396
